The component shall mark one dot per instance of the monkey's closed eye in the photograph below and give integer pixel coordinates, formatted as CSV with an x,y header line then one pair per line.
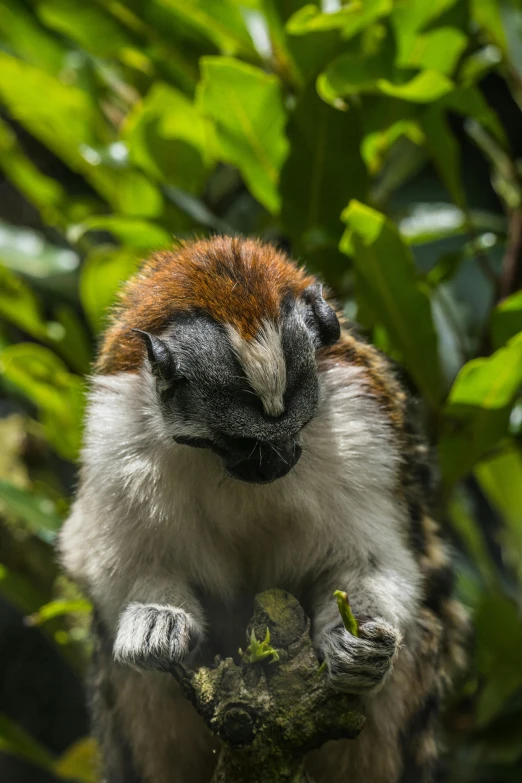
x,y
197,443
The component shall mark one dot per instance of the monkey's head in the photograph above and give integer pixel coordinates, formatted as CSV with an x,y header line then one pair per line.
x,y
228,331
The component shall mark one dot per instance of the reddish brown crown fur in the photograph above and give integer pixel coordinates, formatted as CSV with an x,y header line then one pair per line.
x,y
236,281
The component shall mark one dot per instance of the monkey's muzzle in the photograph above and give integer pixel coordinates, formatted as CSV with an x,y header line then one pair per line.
x,y
260,462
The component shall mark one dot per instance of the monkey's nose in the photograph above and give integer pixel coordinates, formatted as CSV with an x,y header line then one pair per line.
x,y
268,462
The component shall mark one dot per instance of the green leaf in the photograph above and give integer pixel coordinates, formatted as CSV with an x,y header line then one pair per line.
x,y
19,590
399,301
58,395
28,39
350,19
350,74
57,609
487,14
425,87
43,191
479,64
132,232
386,120
322,172
246,106
471,538
102,274
36,512
80,762
66,334
86,23
478,408
438,50
284,62
499,641
506,319
73,344
27,252
63,121
19,305
16,741
169,138
409,18
500,477
444,150
133,193
469,102
219,21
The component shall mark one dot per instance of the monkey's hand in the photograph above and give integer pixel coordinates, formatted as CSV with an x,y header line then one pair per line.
x,y
360,664
152,636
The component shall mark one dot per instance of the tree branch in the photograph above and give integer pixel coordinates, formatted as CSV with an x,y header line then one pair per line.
x,y
269,715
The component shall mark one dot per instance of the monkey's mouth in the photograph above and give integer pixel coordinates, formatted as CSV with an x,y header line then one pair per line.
x,y
265,463
250,460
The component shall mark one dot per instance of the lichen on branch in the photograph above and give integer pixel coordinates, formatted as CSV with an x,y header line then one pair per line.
x,y
268,714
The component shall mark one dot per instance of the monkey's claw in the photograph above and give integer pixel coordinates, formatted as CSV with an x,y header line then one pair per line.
x,y
152,636
360,664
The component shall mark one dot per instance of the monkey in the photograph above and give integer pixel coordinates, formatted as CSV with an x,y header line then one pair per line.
x,y
240,436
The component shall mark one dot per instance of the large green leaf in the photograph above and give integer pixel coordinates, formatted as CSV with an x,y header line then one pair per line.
x,y
168,137
103,272
399,301
247,108
478,408
322,173
59,396
506,319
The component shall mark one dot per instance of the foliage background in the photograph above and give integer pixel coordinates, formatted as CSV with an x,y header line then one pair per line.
x,y
379,141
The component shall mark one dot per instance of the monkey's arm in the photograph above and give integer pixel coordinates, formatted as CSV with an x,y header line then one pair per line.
x,y
144,600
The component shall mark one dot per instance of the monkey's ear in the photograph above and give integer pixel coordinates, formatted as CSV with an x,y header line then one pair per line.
x,y
320,318
161,360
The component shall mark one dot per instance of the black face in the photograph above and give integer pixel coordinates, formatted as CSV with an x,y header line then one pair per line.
x,y
208,402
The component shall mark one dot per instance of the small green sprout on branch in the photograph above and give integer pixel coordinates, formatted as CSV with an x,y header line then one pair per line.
x,y
258,651
347,616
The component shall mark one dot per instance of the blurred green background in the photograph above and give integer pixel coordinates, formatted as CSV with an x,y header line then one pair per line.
x,y
380,142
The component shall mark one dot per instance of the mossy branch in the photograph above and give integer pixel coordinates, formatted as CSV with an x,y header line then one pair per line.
x,y
268,715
